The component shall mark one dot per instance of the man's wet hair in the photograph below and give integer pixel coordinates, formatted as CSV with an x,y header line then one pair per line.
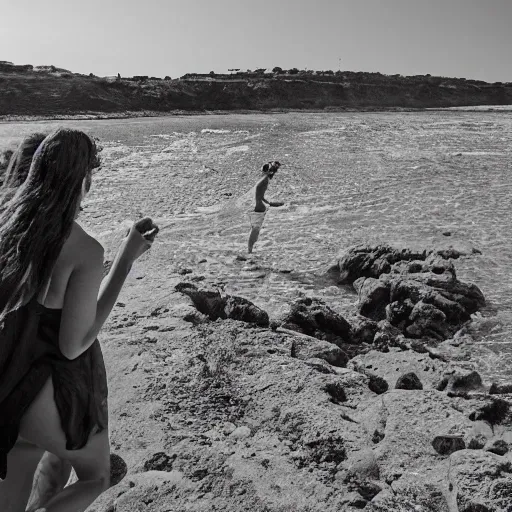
x,y
273,164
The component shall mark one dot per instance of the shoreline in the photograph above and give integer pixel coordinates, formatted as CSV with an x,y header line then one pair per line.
x,y
98,116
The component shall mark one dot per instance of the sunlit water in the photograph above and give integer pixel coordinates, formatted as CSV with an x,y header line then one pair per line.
x,y
402,178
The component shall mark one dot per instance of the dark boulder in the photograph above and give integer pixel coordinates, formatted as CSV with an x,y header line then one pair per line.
x,y
495,411
363,329
427,321
408,381
398,312
313,317
374,296
242,309
497,446
377,384
207,302
368,261
500,389
214,305
448,444
461,381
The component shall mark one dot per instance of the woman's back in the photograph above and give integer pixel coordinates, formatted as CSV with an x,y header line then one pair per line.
x,y
78,249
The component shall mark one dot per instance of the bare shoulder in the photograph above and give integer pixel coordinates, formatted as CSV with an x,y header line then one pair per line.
x,y
82,247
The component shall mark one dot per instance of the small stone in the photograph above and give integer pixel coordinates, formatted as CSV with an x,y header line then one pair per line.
x,y
447,233
354,499
241,433
500,389
368,489
378,436
418,346
408,381
477,442
498,446
159,462
448,444
229,428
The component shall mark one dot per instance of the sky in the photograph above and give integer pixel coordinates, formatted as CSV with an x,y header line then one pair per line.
x,y
456,38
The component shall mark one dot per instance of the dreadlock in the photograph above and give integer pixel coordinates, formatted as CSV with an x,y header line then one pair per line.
x,y
20,161
37,219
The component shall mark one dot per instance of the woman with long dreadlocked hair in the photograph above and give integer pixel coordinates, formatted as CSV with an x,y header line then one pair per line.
x,y
53,303
19,163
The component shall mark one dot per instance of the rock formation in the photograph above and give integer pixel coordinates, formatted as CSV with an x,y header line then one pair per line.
x,y
321,412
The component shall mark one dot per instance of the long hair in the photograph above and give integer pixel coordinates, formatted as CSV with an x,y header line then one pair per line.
x,y
36,221
20,161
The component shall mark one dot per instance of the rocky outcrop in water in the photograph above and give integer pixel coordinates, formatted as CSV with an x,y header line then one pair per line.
x,y
416,292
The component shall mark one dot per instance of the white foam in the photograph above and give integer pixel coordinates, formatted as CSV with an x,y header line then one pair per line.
x,y
237,149
211,130
162,136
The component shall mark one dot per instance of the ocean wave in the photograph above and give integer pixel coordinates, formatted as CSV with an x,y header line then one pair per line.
x,y
211,130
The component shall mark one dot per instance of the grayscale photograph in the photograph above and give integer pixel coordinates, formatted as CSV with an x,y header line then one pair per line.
x,y
256,256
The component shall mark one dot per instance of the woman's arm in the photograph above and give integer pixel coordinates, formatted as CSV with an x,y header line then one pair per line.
x,y
80,301
86,303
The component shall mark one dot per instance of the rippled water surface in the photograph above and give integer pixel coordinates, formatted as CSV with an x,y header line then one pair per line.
x,y
347,178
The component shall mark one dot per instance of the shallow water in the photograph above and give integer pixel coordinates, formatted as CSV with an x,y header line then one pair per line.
x,y
347,178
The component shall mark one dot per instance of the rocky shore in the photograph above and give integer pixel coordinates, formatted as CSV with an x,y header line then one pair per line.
x,y
218,405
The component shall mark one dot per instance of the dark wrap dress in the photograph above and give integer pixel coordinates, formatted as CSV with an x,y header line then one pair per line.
x,y
29,355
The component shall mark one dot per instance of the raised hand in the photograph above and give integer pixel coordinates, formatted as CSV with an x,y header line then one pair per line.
x,y
147,228
139,239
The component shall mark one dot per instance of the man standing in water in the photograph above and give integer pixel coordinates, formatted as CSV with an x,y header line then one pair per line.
x,y
260,209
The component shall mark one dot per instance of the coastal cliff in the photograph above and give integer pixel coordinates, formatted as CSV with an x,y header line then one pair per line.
x,y
47,90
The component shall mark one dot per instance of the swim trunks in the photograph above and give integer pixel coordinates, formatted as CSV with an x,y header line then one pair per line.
x,y
257,218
